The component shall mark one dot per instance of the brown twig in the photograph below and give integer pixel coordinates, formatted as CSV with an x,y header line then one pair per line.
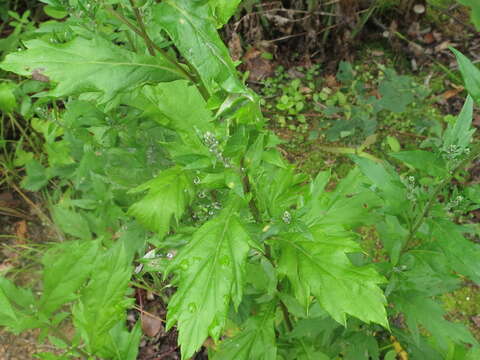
x,y
138,308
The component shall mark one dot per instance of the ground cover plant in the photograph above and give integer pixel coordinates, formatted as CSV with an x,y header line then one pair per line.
x,y
161,170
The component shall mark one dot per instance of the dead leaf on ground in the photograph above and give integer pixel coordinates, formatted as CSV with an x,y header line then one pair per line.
x,y
21,230
259,67
151,325
452,92
377,53
6,198
476,120
331,81
5,266
476,320
428,38
444,45
235,47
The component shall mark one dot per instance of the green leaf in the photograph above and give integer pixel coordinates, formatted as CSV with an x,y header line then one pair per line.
x,y
362,346
429,314
103,301
255,340
425,161
317,186
462,255
66,267
189,25
82,65
391,355
385,178
15,303
167,198
37,176
209,276
277,189
55,12
273,157
125,344
393,143
397,92
71,222
8,316
425,272
7,99
393,236
320,267
350,205
460,132
223,10
470,74
177,105
348,210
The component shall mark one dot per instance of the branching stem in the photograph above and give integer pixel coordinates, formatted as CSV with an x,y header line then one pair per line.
x,y
247,189
152,47
433,197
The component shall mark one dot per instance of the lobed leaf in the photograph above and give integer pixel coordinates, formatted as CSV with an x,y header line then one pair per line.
x,y
66,267
82,65
72,223
462,255
385,178
125,344
425,161
189,25
167,197
223,10
16,304
255,341
103,301
209,276
428,313
320,267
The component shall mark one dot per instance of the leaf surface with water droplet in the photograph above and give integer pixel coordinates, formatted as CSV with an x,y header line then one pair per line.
x,y
207,286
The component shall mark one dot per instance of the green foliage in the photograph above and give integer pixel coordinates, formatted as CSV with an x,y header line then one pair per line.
x,y
210,275
150,154
88,66
470,73
363,101
168,196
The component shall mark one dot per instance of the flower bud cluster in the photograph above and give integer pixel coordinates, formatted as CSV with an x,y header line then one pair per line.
x,y
454,152
204,212
452,204
287,217
213,146
206,207
412,190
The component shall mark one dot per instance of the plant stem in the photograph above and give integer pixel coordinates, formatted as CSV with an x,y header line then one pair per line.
x,y
433,198
247,188
152,47
149,42
143,29
286,316
258,219
426,209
